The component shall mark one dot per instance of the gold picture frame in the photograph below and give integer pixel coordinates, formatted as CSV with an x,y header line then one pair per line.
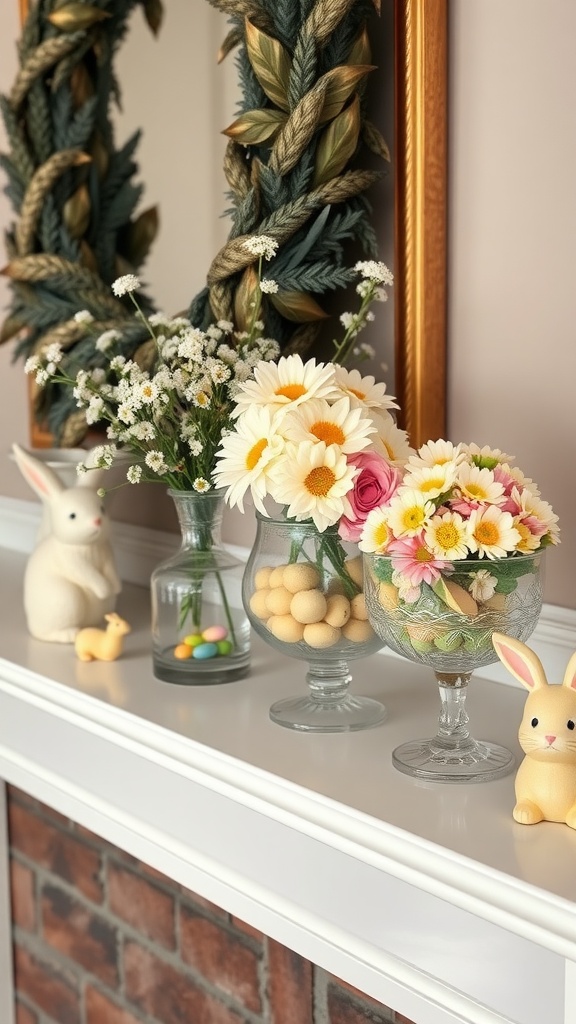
x,y
420,236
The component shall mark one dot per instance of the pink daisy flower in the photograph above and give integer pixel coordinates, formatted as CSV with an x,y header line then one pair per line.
x,y
411,557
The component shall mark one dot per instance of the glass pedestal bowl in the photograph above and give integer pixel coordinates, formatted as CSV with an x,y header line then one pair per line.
x,y
444,626
303,593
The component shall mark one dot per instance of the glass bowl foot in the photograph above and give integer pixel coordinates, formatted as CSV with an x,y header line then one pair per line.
x,y
348,714
476,762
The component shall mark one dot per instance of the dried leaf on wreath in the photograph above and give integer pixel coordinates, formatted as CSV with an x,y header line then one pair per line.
x,y
271,64
232,40
256,126
154,13
74,16
137,236
341,83
76,212
299,307
361,52
337,144
375,141
245,295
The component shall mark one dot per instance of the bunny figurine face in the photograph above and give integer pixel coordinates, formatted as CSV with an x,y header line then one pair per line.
x,y
546,779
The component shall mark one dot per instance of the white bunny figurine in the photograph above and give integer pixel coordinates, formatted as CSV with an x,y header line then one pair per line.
x,y
546,778
70,579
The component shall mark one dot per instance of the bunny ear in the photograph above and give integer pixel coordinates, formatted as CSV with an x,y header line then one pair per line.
x,y
41,478
570,673
520,661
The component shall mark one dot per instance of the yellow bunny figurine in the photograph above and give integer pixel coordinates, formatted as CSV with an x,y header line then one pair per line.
x,y
546,778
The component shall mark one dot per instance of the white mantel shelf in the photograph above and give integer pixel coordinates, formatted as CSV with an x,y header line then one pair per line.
x,y
428,897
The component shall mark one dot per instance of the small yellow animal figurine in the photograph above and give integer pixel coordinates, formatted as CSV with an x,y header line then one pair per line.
x,y
546,779
102,644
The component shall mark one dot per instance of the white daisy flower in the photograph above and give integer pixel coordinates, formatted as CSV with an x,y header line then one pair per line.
x,y
437,453
477,484
313,480
432,481
375,532
246,455
201,485
338,424
364,390
491,532
389,440
125,284
487,457
409,512
148,391
289,382
445,536
483,585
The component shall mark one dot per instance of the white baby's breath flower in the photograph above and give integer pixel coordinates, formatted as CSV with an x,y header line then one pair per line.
x,y
375,271
54,353
32,364
201,485
155,461
83,316
196,447
106,340
118,363
261,245
226,326
134,474
268,286
125,284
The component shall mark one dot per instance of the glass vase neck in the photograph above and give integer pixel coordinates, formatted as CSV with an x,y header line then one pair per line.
x,y
200,517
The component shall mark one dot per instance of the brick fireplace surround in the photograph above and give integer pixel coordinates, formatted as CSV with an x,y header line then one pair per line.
x,y
101,938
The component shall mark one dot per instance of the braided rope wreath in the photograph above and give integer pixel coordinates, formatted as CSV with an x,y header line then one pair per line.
x,y
293,165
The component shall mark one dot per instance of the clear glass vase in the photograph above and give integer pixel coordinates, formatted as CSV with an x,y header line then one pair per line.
x,y
200,631
303,592
449,627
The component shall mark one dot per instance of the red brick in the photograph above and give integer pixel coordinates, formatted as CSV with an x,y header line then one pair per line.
x,y
221,957
246,928
100,1010
52,990
13,793
345,1008
56,850
142,905
401,1019
167,994
22,896
290,986
24,1015
72,929
198,901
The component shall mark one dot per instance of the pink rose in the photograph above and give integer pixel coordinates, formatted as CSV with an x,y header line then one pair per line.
x,y
375,485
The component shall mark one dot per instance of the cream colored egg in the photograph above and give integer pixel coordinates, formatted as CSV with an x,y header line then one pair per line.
x,y
388,596
357,631
300,576
262,577
321,634
358,607
308,606
355,569
258,604
276,576
285,628
338,611
278,601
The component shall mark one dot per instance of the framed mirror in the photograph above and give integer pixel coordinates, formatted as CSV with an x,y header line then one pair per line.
x,y
419,156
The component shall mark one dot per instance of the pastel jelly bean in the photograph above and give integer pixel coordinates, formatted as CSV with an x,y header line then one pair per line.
x,y
182,651
214,633
224,647
204,651
193,639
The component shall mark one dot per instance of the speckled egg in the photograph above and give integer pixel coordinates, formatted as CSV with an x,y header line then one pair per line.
x,y
321,634
258,603
357,631
358,607
214,633
204,651
262,577
300,576
285,628
308,606
182,652
337,611
278,601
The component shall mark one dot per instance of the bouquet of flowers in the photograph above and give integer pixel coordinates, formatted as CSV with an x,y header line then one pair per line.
x,y
457,536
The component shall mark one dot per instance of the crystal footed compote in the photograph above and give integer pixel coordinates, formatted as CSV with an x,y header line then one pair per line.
x,y
303,592
448,625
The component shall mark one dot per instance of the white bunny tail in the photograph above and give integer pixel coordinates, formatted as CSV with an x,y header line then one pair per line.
x,y
520,661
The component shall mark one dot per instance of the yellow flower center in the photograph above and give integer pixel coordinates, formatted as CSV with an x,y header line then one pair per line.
x,y
319,481
413,518
331,433
434,484
255,453
487,533
291,391
447,536
389,450
381,535
423,555
475,491
357,394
